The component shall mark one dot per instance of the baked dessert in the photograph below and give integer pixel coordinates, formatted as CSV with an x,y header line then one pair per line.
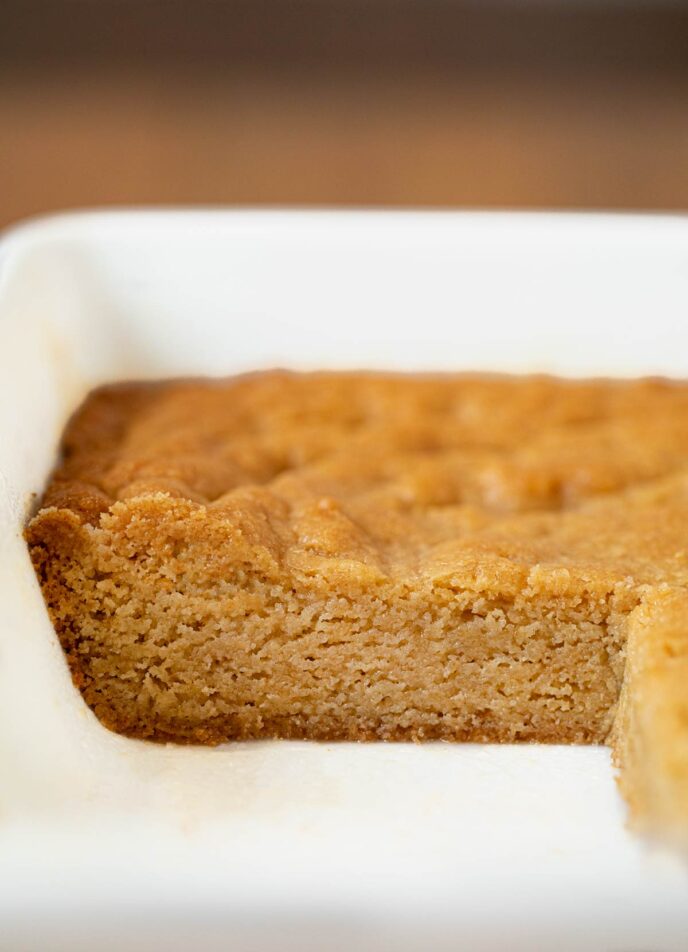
x,y
377,556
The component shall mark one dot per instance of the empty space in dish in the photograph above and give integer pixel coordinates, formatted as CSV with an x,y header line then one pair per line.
x,y
273,843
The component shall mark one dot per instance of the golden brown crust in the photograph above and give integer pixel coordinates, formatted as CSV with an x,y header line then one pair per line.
x,y
363,555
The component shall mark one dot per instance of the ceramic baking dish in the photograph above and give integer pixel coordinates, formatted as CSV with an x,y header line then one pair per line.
x,y
109,843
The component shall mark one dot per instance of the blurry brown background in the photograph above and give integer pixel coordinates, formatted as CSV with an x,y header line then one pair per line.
x,y
422,102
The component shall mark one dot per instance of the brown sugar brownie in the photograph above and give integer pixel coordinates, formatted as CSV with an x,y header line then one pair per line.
x,y
380,556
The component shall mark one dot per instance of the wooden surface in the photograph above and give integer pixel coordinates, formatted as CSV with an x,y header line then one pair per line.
x,y
324,102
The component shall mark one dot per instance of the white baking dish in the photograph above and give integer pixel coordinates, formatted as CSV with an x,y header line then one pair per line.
x,y
109,843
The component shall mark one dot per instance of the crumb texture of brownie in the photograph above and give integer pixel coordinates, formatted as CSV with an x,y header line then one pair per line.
x,y
381,556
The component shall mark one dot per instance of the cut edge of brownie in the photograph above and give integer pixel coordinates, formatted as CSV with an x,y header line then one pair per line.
x,y
242,646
